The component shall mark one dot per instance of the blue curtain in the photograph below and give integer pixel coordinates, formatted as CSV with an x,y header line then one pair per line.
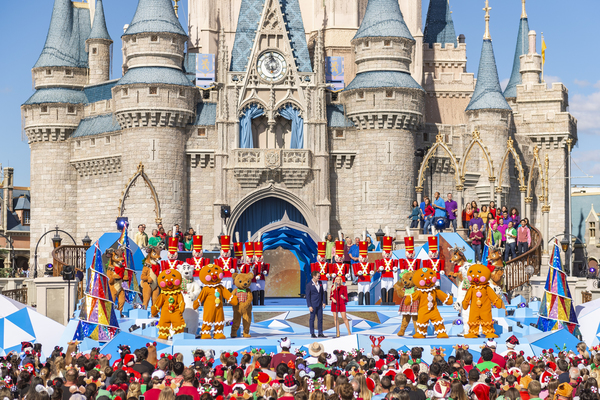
x,y
254,111
265,212
288,112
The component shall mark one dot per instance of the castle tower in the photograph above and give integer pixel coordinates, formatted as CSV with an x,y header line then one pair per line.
x,y
522,48
386,106
51,115
154,102
489,114
98,47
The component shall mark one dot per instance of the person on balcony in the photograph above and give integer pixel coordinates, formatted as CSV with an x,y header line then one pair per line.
x,y
428,216
476,237
523,237
510,251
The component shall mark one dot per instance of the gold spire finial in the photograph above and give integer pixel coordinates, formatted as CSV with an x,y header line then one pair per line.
x,y
176,7
524,13
487,9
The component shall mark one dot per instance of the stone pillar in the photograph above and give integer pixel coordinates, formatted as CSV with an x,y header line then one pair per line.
x,y
528,201
492,186
459,202
546,226
498,196
523,190
419,191
53,298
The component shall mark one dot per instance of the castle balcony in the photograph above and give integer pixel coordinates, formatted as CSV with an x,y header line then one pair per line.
x,y
291,166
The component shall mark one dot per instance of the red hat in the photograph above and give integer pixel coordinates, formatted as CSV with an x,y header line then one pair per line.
x,y
258,249
249,246
197,242
238,249
370,384
481,390
173,244
363,248
322,248
339,248
387,244
409,244
225,243
441,389
410,375
433,244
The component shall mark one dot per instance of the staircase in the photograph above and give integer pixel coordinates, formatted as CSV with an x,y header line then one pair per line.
x,y
70,255
515,275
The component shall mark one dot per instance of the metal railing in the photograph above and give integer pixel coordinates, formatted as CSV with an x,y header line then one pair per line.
x,y
19,295
515,270
70,255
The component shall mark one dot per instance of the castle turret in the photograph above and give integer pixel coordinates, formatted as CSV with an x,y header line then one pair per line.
x,y
386,105
488,114
522,48
98,47
439,27
51,115
154,102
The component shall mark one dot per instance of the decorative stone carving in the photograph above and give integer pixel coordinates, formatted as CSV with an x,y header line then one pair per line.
x,y
343,159
248,178
204,158
290,166
272,158
97,166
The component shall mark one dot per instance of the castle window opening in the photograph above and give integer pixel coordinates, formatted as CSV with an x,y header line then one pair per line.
x,y
71,110
202,132
48,71
360,95
44,109
154,38
206,94
78,144
366,44
134,40
94,50
387,43
107,140
181,92
26,217
92,142
425,137
68,72
125,92
389,94
339,133
153,90
334,96
592,229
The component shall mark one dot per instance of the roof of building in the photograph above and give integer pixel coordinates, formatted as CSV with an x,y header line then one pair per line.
x,y
23,203
336,117
189,66
155,16
439,27
13,224
488,93
248,20
99,29
65,43
206,114
581,205
57,95
96,125
99,92
522,48
382,79
170,76
383,18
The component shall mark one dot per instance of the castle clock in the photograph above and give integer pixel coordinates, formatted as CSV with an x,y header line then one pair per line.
x,y
271,66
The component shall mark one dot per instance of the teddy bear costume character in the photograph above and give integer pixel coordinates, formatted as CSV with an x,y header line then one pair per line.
x,y
427,295
170,303
405,288
242,312
150,272
212,297
480,297
117,273
190,290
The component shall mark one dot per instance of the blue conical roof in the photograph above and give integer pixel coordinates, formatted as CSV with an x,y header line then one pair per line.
x,y
488,93
65,42
383,18
157,16
439,27
522,48
99,30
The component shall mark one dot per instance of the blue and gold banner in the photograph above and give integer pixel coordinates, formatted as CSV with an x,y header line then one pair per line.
x,y
334,73
205,70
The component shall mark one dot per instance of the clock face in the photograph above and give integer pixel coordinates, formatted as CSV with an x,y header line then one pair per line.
x,y
271,66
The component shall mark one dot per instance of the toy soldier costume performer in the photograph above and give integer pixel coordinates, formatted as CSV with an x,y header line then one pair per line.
x,y
410,263
261,270
197,261
249,268
321,266
434,262
387,267
172,263
339,268
227,263
364,270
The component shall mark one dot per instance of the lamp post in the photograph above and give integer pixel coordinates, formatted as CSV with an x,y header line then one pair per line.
x,y
12,252
87,242
379,235
564,245
56,239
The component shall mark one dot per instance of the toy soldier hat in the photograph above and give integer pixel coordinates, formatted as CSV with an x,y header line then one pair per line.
x,y
363,248
258,249
238,249
197,242
409,244
322,248
387,244
173,244
433,244
339,248
249,246
225,243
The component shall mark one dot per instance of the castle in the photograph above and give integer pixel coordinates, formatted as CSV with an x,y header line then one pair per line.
x,y
275,136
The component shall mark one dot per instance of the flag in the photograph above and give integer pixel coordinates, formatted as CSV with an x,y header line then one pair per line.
x,y
543,50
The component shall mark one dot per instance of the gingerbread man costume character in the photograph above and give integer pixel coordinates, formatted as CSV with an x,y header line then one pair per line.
x,y
480,297
427,295
364,270
388,269
212,297
197,261
170,303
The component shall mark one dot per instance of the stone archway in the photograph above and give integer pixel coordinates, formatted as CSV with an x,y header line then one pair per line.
x,y
510,150
125,194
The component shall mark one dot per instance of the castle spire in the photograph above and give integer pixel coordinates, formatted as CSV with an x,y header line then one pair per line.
x,y
439,27
156,16
99,30
488,93
383,18
521,48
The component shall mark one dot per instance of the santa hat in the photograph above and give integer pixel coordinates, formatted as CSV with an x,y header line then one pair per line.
x,y
441,389
370,384
238,249
225,243
339,248
409,244
322,249
433,244
289,384
482,391
197,242
258,249
173,244
129,360
249,246
387,244
512,341
410,375
363,248
545,377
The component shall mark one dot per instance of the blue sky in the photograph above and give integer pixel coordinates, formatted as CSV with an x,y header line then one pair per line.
x,y
570,59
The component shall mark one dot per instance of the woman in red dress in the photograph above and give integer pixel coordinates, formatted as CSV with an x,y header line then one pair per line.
x,y
339,298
